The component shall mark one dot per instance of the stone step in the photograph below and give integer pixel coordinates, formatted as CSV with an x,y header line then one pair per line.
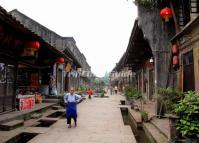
x,y
56,107
36,116
155,135
11,125
163,130
51,101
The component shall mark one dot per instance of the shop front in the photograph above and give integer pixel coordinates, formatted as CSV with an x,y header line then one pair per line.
x,y
11,44
7,85
26,65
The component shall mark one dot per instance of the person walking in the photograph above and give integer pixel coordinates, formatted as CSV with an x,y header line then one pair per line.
x,y
71,100
111,90
115,89
89,92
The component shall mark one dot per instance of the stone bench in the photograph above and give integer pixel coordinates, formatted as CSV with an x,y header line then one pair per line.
x,y
11,125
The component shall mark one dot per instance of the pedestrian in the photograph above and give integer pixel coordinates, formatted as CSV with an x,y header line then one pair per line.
x,y
71,100
89,92
115,89
111,90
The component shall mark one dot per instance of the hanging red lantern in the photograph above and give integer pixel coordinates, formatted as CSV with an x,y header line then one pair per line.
x,y
60,60
30,48
166,13
33,45
175,49
175,60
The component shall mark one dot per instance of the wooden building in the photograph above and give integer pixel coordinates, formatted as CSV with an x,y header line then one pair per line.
x,y
25,60
186,40
163,49
65,75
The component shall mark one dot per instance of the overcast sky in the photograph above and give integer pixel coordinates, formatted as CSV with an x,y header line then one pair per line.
x,y
101,28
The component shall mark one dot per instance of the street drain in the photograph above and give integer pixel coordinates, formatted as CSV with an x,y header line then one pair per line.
x,y
122,102
22,138
139,133
56,114
45,123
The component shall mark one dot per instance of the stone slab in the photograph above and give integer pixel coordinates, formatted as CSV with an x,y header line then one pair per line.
x,y
155,134
11,125
36,116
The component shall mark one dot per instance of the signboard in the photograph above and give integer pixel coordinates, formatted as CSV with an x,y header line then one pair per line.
x,y
26,103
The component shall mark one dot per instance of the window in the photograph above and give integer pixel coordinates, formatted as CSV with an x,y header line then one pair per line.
x,y
188,58
194,6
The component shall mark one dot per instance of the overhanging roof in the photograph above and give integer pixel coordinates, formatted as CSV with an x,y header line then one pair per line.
x,y
137,52
186,29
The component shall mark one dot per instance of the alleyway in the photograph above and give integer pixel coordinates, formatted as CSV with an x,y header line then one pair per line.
x,y
99,120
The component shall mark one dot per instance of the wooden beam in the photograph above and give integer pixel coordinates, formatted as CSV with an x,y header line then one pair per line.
x,y
174,17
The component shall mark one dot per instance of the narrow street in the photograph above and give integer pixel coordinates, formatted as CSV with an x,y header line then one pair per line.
x,y
138,60
99,121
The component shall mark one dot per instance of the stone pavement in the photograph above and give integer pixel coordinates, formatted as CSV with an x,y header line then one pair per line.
x,y
99,121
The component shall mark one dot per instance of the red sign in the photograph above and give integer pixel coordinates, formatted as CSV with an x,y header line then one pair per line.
x,y
26,103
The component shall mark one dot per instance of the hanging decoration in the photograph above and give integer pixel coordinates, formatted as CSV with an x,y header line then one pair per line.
x,y
175,56
33,45
60,60
175,49
68,67
175,60
30,48
166,14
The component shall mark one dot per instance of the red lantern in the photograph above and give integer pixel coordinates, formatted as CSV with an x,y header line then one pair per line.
x,y
174,49
175,60
30,48
59,60
166,13
33,45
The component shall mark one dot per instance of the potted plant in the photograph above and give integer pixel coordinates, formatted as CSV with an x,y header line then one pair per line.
x,y
168,98
144,116
131,93
102,94
188,111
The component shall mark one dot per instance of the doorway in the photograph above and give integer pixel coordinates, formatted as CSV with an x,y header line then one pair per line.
x,y
7,90
188,72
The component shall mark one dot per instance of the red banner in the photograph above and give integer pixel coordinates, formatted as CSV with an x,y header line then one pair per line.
x,y
26,103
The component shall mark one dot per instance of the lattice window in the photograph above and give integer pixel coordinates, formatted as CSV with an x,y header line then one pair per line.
x,y
194,5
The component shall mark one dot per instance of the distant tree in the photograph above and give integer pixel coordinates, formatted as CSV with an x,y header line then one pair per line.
x,y
106,78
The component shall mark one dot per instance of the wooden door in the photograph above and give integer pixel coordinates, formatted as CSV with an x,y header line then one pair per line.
x,y
188,72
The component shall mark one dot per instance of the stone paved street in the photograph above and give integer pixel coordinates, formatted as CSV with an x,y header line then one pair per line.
x,y
99,121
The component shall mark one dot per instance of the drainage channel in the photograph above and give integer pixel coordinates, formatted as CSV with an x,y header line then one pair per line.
x,y
56,114
22,138
45,123
139,133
